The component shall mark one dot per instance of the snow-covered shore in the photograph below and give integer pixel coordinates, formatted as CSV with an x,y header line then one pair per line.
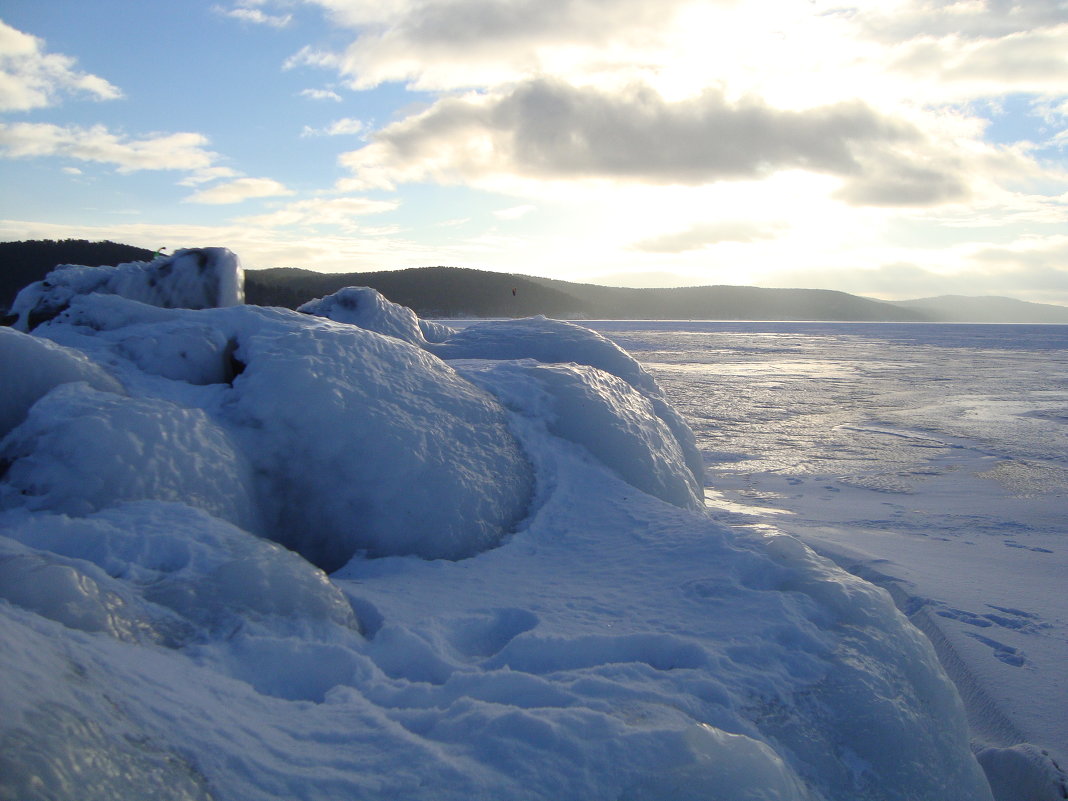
x,y
527,597
929,459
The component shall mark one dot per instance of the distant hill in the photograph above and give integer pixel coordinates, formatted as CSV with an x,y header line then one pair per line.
x,y
990,309
430,291
22,263
462,292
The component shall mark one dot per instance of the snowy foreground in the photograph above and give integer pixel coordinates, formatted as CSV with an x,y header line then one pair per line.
x,y
526,597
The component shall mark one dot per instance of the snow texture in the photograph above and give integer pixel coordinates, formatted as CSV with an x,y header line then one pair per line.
x,y
525,599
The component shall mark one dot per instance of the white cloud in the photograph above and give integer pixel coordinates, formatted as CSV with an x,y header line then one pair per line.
x,y
903,20
340,212
321,94
31,78
1028,61
207,174
515,212
705,234
239,190
246,13
176,151
346,126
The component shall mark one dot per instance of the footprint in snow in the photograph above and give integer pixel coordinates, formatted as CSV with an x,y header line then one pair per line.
x,y
1006,617
1006,653
485,633
1014,544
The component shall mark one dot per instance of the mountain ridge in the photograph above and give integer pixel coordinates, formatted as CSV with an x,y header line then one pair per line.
x,y
466,292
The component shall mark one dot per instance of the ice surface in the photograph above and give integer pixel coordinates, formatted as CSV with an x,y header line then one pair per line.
x,y
929,459
591,634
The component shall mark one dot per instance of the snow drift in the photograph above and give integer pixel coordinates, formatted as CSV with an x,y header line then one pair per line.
x,y
525,599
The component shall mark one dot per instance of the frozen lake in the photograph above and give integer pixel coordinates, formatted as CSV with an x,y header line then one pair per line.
x,y
931,459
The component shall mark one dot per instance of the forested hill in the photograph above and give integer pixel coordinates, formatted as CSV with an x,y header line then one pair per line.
x,y
461,292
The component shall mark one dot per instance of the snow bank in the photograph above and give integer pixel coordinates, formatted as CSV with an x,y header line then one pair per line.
x,y
196,278
527,602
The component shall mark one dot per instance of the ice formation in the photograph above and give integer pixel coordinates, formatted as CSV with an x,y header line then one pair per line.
x,y
526,600
195,278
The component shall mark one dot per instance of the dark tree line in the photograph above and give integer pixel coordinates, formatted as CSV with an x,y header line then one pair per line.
x,y
22,263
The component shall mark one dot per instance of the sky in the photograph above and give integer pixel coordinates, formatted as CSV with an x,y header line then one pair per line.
x,y
893,149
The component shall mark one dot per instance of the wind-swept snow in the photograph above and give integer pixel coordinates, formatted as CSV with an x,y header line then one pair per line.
x,y
526,600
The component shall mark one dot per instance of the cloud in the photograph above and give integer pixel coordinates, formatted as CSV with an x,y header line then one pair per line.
x,y
339,212
900,183
255,16
968,19
239,190
343,127
444,44
176,151
207,174
31,78
703,235
515,212
547,130
1026,61
321,94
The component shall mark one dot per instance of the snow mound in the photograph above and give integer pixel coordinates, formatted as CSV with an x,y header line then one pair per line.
x,y
328,438
606,415
559,342
81,450
544,340
601,636
33,366
195,278
365,307
369,443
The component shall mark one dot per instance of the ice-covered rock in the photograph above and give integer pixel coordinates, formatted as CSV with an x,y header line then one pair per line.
x,y
560,342
367,443
544,340
214,576
357,441
367,308
32,366
617,424
194,278
81,450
